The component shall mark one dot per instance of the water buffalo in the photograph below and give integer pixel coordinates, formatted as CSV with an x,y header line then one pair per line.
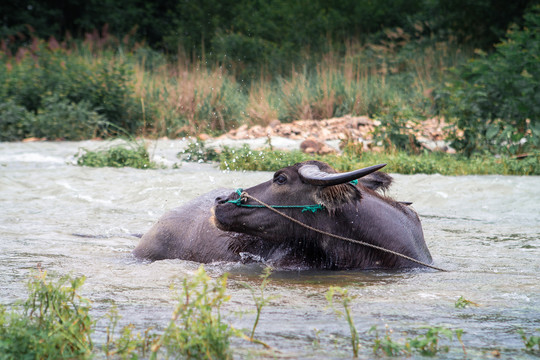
x,y
218,226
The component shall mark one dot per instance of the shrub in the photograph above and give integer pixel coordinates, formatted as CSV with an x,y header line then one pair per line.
x,y
196,151
130,155
54,323
60,119
397,131
531,342
266,160
73,76
495,99
15,121
427,344
196,330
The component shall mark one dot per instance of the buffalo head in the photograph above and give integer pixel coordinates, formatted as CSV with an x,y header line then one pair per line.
x,y
307,183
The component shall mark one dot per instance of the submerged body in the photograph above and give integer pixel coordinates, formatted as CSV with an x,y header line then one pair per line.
x,y
238,233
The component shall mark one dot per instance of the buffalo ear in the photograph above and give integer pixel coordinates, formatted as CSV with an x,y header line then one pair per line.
x,y
377,181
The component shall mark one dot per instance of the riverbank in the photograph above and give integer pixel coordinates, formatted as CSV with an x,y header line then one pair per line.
x,y
271,154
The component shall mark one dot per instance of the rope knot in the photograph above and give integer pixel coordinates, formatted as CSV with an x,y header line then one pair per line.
x,y
242,196
312,208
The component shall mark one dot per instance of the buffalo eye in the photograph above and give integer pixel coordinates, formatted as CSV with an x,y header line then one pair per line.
x,y
280,179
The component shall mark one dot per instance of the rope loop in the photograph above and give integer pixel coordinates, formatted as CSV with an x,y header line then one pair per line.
x,y
242,197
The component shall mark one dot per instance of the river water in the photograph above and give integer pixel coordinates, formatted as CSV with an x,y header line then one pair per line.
x,y
80,221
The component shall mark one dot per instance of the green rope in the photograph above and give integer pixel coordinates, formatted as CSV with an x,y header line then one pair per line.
x,y
312,208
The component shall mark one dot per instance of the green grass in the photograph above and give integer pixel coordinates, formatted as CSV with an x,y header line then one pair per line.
x,y
346,299
54,322
196,329
132,154
401,162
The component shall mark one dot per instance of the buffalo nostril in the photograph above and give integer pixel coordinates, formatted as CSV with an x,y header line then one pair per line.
x,y
221,200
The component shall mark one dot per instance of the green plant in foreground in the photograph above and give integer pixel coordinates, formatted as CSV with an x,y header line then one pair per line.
x,y
462,303
54,323
387,345
343,294
530,342
131,155
128,344
196,329
427,344
260,299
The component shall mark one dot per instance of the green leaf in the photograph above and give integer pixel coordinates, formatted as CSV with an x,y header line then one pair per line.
x,y
492,131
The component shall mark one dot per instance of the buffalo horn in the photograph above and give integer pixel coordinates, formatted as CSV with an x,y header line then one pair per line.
x,y
314,176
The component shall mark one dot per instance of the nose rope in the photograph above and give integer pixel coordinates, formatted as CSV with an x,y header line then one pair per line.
x,y
241,197
245,195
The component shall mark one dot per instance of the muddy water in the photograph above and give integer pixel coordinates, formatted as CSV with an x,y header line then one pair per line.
x,y
80,221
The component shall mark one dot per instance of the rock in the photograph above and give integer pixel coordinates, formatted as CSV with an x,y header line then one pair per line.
x,y
204,137
314,146
274,123
429,132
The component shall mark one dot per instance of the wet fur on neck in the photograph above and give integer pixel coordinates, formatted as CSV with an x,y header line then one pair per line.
x,y
333,197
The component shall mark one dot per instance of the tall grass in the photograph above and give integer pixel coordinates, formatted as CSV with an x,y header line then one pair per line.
x,y
189,99
115,84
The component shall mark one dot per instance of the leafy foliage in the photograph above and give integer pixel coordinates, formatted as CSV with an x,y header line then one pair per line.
x,y
495,99
251,33
131,155
15,121
531,342
196,329
60,119
462,303
387,345
427,344
197,151
127,344
244,158
65,91
396,131
55,322
343,294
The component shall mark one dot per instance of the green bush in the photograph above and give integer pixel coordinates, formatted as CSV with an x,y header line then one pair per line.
x,y
396,131
60,119
196,330
55,323
100,85
130,155
196,151
15,121
495,99
264,160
